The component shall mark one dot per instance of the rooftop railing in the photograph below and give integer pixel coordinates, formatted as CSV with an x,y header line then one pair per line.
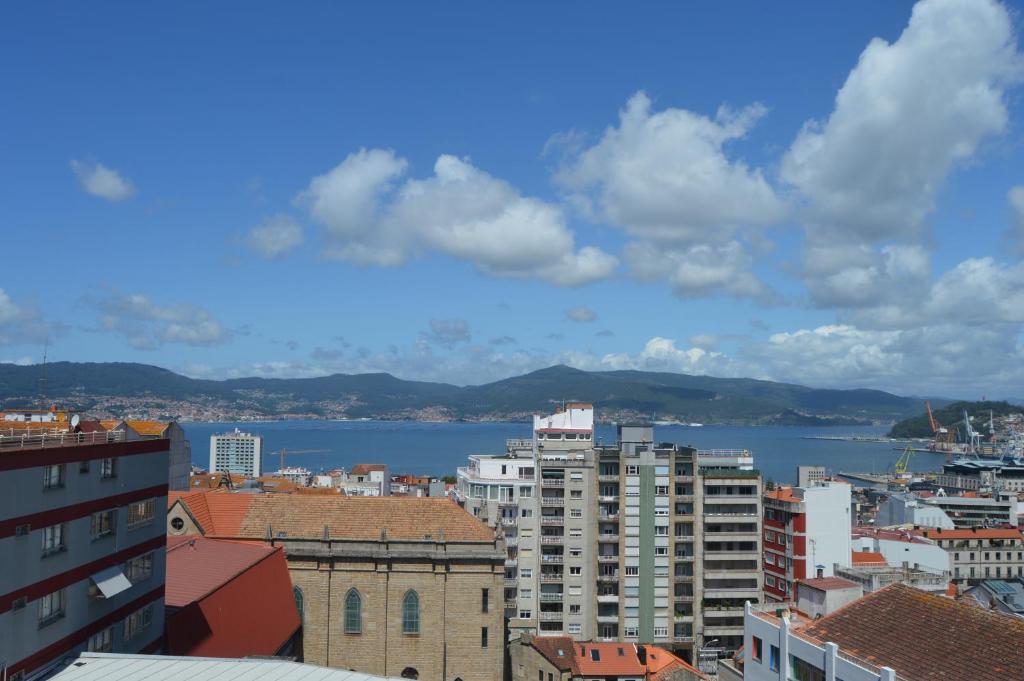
x,y
13,439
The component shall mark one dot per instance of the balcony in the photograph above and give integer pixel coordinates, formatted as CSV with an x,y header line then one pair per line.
x,y
608,559
508,522
552,520
608,578
552,482
510,604
550,616
608,619
608,478
683,598
749,573
683,639
711,630
552,559
511,581
722,611
551,577
608,517
608,498
552,539
732,592
684,497
682,579
552,501
511,541
731,555
608,598
550,598
608,538
744,535
684,537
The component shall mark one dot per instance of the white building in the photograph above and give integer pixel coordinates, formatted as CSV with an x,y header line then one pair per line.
x,y
905,508
237,452
903,546
374,473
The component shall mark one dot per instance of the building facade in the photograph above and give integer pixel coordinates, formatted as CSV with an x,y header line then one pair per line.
x,y
633,541
81,547
237,452
392,586
806,532
981,553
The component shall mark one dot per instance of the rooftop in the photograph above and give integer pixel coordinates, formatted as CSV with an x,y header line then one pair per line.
x,y
216,512
590,660
115,667
197,566
975,533
365,468
867,558
830,583
915,633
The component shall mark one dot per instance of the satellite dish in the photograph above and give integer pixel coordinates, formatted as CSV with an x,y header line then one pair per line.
x,y
75,420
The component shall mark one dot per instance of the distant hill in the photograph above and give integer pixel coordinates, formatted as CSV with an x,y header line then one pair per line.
x,y
615,394
952,416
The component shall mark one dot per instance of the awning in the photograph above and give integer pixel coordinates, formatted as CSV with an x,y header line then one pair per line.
x,y
111,581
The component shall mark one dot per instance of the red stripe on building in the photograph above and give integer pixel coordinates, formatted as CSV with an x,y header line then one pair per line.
x,y
55,650
75,511
30,457
64,579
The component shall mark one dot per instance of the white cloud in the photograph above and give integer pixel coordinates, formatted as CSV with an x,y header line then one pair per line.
x,y
581,313
146,325
661,354
275,236
23,324
665,175
908,113
101,181
1015,197
699,270
460,210
448,332
8,310
858,276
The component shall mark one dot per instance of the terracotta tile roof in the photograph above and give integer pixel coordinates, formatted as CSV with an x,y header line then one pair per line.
x,y
559,651
217,513
110,424
830,583
300,515
868,558
149,428
662,665
980,533
905,535
608,659
197,566
364,468
925,637
91,426
783,494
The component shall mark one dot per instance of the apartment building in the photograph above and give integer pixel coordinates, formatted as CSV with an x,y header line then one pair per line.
x,y
237,452
81,545
632,541
981,553
806,533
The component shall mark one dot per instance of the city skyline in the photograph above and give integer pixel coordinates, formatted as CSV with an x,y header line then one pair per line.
x,y
830,197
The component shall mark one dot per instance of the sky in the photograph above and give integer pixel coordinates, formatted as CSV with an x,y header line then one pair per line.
x,y
829,194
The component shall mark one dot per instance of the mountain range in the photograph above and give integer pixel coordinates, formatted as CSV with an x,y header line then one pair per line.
x,y
616,395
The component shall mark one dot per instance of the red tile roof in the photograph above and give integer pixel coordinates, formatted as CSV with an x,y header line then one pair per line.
x,y
980,533
608,659
868,558
217,512
783,494
227,599
364,468
925,637
830,583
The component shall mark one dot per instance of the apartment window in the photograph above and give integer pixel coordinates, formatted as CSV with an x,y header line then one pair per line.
x,y
768,536
540,675
661,511
661,490
83,466
53,476
661,530
140,513
484,600
103,523
575,531
575,513
574,608
108,468
526,593
353,612
576,494
483,637
526,513
575,628
769,580
137,622
576,476
631,632
757,647
411,613
525,492
51,607
525,614
800,670
575,571
769,558
660,632
53,539
575,590
139,568
972,555
575,553
661,550
102,641
526,573
632,470
773,658
632,570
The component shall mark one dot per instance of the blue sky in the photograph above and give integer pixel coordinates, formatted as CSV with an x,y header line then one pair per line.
x,y
832,194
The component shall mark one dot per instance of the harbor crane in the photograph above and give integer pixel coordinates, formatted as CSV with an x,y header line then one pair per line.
x,y
903,463
971,437
282,453
942,437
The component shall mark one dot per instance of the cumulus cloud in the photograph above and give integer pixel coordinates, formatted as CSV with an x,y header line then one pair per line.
x,y
23,324
503,340
99,180
147,325
371,217
699,270
1015,197
581,313
662,354
447,333
275,236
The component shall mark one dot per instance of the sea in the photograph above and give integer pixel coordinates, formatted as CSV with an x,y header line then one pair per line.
x,y
437,449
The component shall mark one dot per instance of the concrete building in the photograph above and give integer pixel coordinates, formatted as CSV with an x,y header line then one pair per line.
x,y
374,474
898,546
896,633
907,509
237,452
824,595
1000,509
180,456
981,553
806,533
81,544
633,541
872,578
563,658
976,475
999,595
808,476
394,586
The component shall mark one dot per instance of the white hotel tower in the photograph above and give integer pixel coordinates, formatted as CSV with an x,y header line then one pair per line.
x,y
237,452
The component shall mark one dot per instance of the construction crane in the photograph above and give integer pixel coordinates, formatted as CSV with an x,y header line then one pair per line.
x,y
942,437
282,453
903,463
971,437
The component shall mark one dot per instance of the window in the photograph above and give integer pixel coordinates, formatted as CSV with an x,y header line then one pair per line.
x,y
757,647
574,608
53,476
177,525
108,468
139,568
483,637
354,613
575,628
773,658
53,539
768,536
632,470
103,523
101,641
575,475
411,613
631,632
575,531
525,614
575,571
800,670
575,553
576,494
51,607
540,675
526,573
575,590
526,593
484,600
661,550
660,632
140,513
769,558
83,466
410,673
575,513
661,490
661,530
525,492
769,580
632,570
297,594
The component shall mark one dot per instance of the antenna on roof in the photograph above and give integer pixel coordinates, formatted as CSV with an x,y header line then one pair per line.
x,y
42,374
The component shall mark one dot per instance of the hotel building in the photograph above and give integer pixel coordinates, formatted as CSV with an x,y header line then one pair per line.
x,y
237,452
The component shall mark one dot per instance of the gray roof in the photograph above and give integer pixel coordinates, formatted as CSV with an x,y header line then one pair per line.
x,y
115,667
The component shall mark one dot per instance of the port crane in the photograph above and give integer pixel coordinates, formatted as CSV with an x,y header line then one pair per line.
x,y
903,463
942,437
971,437
282,453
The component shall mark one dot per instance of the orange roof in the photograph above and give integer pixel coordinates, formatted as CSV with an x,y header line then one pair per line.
x,y
150,428
868,558
830,583
979,533
587,659
216,514
364,468
608,659
110,424
662,665
783,494
197,566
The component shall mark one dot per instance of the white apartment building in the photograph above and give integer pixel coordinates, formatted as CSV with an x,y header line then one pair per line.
x,y
237,452
981,553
